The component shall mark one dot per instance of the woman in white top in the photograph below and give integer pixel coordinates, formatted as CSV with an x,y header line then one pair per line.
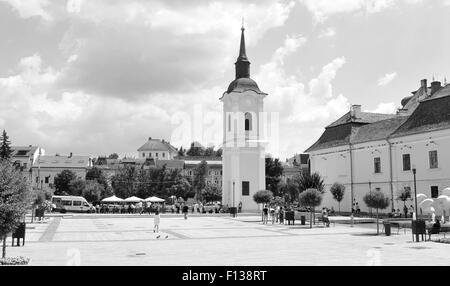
x,y
156,219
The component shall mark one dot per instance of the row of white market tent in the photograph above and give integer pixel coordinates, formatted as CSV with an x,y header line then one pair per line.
x,y
133,199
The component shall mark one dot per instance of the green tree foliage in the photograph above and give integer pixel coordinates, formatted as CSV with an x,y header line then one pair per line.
x,y
212,193
338,190
181,152
263,197
93,191
306,181
378,201
96,174
125,182
15,197
290,191
310,198
196,150
5,146
404,195
219,152
274,170
76,187
62,182
199,181
113,156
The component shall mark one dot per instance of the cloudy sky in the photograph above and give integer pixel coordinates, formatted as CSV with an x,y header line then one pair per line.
x,y
101,76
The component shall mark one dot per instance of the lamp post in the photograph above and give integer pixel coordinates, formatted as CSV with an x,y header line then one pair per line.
x,y
415,200
234,209
370,193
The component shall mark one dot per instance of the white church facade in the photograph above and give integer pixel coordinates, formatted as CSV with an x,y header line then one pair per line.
x,y
243,151
377,152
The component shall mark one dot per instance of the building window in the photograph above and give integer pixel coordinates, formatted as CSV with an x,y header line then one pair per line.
x,y
156,155
150,155
377,165
434,192
47,179
433,159
164,155
406,162
143,154
248,121
245,188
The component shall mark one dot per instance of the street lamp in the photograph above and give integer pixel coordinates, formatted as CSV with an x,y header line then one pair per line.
x,y
234,210
415,200
370,194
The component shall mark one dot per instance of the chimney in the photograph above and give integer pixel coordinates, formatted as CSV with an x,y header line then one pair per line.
x,y
70,156
355,111
423,84
435,86
149,138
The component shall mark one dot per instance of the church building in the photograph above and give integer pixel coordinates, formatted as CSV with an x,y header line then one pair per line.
x,y
243,150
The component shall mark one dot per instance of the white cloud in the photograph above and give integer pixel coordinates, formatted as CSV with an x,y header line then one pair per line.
x,y
328,33
302,111
387,79
30,8
323,9
388,108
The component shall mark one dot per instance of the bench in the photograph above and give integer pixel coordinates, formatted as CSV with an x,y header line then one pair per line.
x,y
434,230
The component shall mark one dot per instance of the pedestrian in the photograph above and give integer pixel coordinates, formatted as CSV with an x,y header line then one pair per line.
x,y
405,210
240,207
281,215
358,210
185,211
196,208
272,215
412,211
265,214
156,219
277,213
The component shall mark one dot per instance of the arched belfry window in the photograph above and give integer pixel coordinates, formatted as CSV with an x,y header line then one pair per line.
x,y
248,121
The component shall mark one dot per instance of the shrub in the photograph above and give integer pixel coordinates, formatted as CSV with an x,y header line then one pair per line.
x,y
310,198
338,190
18,260
376,200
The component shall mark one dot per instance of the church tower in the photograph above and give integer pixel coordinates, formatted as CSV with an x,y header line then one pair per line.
x,y
243,129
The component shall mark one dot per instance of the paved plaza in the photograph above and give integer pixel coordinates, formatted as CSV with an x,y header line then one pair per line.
x,y
217,240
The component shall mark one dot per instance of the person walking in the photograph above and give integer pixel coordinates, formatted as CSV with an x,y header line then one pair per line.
x,y
281,215
156,220
277,213
405,210
185,210
265,214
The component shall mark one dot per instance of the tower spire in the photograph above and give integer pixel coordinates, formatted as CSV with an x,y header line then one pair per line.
x,y
242,63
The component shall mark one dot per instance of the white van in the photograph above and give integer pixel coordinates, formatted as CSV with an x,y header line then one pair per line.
x,y
71,204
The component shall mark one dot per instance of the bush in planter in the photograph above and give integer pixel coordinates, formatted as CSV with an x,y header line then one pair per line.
x,y
378,201
310,198
18,260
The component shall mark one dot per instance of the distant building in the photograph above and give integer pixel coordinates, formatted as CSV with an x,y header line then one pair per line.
x,y
46,168
157,149
25,157
214,175
377,152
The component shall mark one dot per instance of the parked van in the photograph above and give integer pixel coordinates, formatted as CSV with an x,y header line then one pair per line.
x,y
71,204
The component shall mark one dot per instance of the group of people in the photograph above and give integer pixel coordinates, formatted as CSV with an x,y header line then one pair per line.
x,y
132,208
276,214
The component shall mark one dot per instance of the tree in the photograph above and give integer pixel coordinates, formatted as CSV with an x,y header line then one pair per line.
x,y
405,194
209,151
93,191
314,181
62,182
289,191
76,187
15,197
196,150
113,156
96,174
219,152
274,170
212,193
5,146
338,190
376,200
124,182
199,181
181,152
310,198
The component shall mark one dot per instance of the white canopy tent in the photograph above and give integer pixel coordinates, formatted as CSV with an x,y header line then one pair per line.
x,y
133,199
112,199
154,200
